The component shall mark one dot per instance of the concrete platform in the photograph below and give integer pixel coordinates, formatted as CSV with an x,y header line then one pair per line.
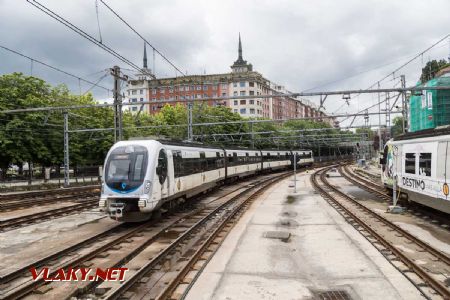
x,y
296,249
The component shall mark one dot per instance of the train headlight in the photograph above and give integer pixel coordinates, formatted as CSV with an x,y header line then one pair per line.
x,y
148,186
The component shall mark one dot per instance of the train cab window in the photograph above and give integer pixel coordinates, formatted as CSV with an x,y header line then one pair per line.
x,y
161,169
410,163
425,164
137,174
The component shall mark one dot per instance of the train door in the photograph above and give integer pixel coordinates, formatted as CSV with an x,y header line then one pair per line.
x,y
170,173
162,173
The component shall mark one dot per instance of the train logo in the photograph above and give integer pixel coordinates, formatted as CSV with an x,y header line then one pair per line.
x,y
123,185
445,189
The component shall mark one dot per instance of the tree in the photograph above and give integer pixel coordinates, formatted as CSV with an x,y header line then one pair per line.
x,y
431,68
397,128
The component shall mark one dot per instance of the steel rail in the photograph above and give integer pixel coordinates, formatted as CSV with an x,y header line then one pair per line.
x,y
364,184
32,285
130,282
25,203
427,278
57,212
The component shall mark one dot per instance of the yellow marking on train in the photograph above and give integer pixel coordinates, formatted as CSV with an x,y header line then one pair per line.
x,y
445,189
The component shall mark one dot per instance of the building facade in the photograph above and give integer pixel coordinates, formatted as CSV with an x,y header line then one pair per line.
x,y
241,81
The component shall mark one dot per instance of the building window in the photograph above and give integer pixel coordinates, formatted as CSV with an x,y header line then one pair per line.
x,y
234,84
134,108
252,110
235,102
205,87
199,87
170,90
252,101
142,99
154,107
251,84
242,84
141,91
224,94
134,100
235,110
410,163
425,164
242,93
154,91
252,93
214,87
235,93
224,85
133,92
186,88
243,102
153,99
243,111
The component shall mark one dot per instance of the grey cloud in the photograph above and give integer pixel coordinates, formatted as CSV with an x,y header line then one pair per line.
x,y
300,44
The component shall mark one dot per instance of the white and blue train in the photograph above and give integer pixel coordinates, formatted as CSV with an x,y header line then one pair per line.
x,y
140,177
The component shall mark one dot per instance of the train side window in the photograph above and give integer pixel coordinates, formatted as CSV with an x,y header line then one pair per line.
x,y
410,163
425,164
203,162
161,169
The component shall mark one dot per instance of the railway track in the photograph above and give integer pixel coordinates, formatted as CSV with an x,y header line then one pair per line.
x,y
169,273
25,220
116,248
25,200
367,185
21,204
427,268
429,215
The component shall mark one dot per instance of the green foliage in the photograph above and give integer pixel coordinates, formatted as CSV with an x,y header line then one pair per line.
x,y
431,68
397,128
38,137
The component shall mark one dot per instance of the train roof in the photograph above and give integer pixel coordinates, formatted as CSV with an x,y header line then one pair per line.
x,y
432,132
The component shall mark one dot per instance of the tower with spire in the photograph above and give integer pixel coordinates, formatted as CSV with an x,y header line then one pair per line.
x,y
241,65
145,56
145,73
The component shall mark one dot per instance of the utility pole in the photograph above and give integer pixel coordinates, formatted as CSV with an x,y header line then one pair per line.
x,y
380,140
190,132
404,105
66,150
253,135
388,112
295,172
118,125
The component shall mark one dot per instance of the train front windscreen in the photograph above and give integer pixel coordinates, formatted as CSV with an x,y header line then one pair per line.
x,y
126,168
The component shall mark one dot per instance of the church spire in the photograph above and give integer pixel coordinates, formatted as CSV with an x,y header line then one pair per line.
x,y
240,49
241,65
145,56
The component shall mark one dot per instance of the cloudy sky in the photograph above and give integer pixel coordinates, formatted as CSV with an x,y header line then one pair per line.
x,y
303,45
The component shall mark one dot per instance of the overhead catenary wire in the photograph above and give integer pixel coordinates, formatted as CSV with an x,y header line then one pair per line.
x,y
420,54
85,35
145,40
53,67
